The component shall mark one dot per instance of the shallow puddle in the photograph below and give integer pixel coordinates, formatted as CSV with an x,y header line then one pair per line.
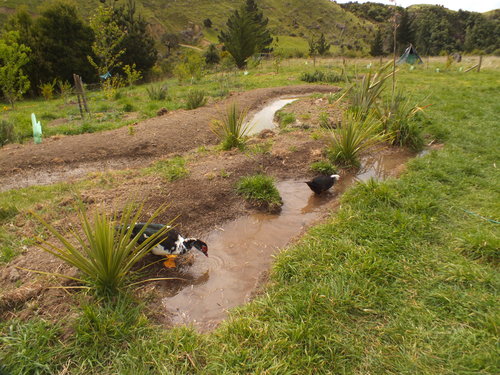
x,y
264,119
240,252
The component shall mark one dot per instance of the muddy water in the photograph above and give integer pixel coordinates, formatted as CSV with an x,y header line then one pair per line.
x,y
264,119
241,251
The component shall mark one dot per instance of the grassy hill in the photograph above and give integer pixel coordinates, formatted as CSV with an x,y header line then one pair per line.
x,y
294,18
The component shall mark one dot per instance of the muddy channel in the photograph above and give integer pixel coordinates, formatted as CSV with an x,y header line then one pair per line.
x,y
241,251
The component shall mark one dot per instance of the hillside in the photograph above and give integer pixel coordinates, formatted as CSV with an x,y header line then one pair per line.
x,y
295,18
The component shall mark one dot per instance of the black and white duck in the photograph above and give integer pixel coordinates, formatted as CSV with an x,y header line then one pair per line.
x,y
172,243
320,184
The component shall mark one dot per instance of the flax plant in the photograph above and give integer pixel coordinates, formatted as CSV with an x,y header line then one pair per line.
x,y
355,135
365,93
106,252
232,129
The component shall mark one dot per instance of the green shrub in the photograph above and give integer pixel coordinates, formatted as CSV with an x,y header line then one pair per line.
x,y
106,252
47,89
157,92
260,190
170,169
323,167
232,129
7,133
195,99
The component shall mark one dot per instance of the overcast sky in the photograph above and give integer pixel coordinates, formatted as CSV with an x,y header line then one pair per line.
x,y
476,6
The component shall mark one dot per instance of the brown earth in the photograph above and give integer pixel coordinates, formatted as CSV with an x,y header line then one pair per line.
x,y
176,132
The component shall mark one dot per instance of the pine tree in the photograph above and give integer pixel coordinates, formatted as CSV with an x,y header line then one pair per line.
x,y
322,47
246,33
264,36
377,46
138,44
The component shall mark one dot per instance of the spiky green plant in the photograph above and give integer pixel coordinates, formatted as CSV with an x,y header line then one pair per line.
x,y
355,135
365,93
107,251
261,190
232,129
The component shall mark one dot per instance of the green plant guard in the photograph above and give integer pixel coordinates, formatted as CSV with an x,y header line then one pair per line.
x,y
37,129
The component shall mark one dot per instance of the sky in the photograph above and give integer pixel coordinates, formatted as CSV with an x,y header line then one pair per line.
x,y
472,5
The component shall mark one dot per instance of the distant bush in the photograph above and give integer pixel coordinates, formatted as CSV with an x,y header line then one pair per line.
x,y
7,133
320,76
195,99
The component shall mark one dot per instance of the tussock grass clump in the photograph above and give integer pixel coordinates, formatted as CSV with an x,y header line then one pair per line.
x,y
7,132
231,129
354,136
260,190
106,252
320,76
324,167
157,92
285,118
170,169
195,99
398,118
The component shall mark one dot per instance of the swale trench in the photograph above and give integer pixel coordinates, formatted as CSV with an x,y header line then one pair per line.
x,y
241,251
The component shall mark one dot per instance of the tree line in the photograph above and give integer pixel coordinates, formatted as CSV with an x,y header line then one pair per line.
x,y
432,29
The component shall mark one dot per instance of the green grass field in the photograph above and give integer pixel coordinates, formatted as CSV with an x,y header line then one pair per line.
x,y
403,279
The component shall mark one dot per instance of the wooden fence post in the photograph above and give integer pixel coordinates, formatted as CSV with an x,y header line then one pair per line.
x,y
479,64
80,93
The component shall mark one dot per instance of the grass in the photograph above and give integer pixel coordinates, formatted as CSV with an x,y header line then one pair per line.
x,y
261,190
170,169
324,167
285,118
400,280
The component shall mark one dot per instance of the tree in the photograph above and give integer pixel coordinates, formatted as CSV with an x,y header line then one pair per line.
x,y
322,47
13,56
212,55
108,37
62,43
171,41
377,46
246,33
264,38
404,34
207,22
138,44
